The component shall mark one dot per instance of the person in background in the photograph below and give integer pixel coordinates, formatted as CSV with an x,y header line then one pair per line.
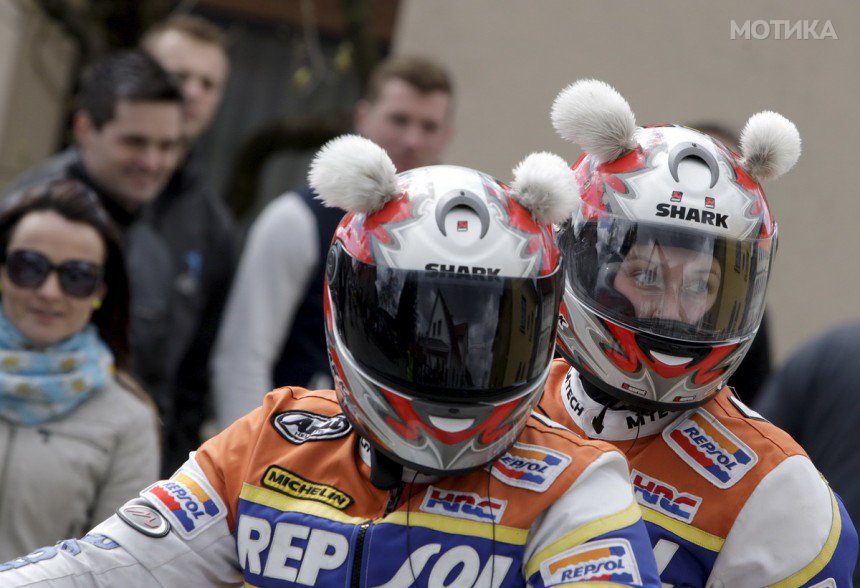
x,y
77,436
667,263
272,332
195,224
128,140
427,466
195,51
811,397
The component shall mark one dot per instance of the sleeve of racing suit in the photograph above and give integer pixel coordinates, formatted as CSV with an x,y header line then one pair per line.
x,y
593,533
793,530
116,553
273,274
177,533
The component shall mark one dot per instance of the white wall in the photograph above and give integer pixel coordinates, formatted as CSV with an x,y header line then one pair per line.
x,y
675,61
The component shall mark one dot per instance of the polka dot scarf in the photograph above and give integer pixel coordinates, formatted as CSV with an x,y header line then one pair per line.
x,y
41,384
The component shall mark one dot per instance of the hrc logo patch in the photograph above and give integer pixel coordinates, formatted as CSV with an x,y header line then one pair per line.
x,y
709,448
608,560
463,505
663,498
190,504
530,466
294,485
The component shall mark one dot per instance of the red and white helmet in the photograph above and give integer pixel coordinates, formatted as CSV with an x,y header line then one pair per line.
x,y
668,253
442,292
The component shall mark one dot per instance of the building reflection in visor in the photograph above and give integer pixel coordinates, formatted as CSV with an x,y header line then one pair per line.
x,y
444,335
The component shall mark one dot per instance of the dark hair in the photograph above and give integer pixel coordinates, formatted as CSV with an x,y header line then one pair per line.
x,y
127,75
194,26
73,201
421,73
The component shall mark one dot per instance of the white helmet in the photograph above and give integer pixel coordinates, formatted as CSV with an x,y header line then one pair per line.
x,y
669,251
442,292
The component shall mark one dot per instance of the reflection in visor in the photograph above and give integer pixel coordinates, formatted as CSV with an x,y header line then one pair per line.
x,y
445,335
667,281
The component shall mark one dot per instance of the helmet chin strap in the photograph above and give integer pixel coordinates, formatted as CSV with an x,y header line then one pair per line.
x,y
596,394
385,473
601,397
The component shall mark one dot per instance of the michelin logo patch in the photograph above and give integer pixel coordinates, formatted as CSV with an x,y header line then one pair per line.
x,y
608,560
292,484
298,426
530,466
664,498
709,448
463,505
190,504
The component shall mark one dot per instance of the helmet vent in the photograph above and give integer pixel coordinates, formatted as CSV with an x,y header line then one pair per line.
x,y
690,150
466,199
450,425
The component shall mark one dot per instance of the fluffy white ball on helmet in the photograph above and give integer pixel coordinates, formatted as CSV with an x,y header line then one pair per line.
x,y
545,185
596,117
770,145
354,174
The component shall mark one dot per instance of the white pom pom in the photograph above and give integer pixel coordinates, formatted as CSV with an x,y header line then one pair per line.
x,y
545,184
596,117
354,174
770,145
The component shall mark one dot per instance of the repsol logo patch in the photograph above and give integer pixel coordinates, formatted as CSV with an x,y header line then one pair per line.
x,y
609,560
530,466
462,269
188,503
664,498
296,553
306,556
292,484
710,448
693,215
463,505
455,566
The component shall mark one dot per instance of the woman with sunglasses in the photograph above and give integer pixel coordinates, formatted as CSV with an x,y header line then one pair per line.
x,y
77,437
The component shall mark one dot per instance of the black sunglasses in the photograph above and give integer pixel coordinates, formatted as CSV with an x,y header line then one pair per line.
x,y
30,269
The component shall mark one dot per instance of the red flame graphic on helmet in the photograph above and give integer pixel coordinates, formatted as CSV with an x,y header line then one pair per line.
x,y
593,179
704,371
410,424
541,241
356,231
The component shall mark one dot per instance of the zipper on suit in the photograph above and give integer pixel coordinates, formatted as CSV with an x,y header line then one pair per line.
x,y
359,551
393,499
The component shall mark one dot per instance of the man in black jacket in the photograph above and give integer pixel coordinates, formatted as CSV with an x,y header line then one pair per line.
x,y
129,140
195,224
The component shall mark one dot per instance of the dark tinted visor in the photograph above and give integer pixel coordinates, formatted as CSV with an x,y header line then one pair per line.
x,y
451,336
